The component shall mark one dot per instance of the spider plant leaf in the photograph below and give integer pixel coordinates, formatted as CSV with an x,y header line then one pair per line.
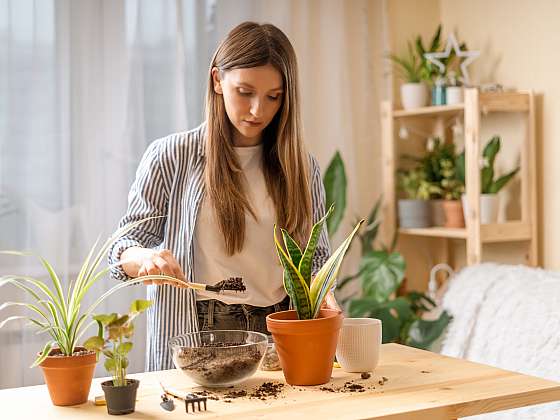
x,y
44,354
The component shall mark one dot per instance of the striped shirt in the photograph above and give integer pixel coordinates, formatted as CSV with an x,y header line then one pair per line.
x,y
170,182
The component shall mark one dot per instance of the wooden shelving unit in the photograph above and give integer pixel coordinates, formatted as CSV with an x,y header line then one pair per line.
x,y
475,234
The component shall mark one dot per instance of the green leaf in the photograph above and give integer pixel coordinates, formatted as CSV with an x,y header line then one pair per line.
x,y
325,278
124,348
94,343
491,150
486,177
43,355
110,365
335,183
105,319
363,307
306,262
382,274
502,181
423,333
108,353
298,287
294,251
391,326
460,168
140,305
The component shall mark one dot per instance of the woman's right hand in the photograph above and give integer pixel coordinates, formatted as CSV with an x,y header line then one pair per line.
x,y
145,261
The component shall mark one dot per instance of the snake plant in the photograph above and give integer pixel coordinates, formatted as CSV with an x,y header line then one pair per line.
x,y
308,294
57,312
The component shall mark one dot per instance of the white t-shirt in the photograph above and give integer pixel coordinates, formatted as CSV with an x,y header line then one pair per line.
x,y
258,262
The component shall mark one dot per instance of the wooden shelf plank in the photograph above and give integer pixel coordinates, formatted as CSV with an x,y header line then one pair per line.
x,y
436,231
428,110
505,232
504,102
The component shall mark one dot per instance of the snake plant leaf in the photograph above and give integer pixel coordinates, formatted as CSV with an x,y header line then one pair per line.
x,y
294,251
325,278
307,258
298,287
335,183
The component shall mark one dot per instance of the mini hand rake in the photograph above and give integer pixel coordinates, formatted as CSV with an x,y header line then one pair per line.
x,y
189,399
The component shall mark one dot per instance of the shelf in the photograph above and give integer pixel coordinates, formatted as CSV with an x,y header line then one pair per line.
x,y
436,232
496,232
504,102
428,110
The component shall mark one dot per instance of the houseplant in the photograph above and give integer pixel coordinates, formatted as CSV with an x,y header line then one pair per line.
x,y
489,186
306,337
414,210
451,187
120,392
381,273
414,92
67,367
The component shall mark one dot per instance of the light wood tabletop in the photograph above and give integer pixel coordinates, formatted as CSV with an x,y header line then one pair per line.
x,y
408,384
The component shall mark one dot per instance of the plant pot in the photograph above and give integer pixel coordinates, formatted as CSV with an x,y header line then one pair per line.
x,y
120,399
414,95
454,95
306,348
437,213
414,213
68,378
453,214
489,206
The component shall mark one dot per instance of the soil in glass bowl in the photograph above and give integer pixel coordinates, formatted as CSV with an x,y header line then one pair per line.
x,y
218,358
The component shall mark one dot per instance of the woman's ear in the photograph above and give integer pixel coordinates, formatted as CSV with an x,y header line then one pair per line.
x,y
216,80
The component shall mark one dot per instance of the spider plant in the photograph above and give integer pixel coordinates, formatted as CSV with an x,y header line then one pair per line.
x,y
57,312
308,294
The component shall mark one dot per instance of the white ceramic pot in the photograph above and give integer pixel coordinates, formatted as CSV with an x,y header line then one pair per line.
x,y
454,95
358,345
414,95
489,206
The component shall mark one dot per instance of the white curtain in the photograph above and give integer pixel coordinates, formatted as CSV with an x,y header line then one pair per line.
x,y
86,85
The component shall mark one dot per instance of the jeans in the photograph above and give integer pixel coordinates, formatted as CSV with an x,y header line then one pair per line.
x,y
216,315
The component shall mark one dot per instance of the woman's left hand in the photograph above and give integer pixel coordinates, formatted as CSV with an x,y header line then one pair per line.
x,y
331,303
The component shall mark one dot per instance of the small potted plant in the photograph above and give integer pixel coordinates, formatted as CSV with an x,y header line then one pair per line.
x,y
414,92
414,211
120,392
454,90
489,187
306,337
60,312
451,188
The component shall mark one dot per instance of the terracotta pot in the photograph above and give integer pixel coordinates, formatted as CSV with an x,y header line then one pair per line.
x,y
453,214
69,378
306,348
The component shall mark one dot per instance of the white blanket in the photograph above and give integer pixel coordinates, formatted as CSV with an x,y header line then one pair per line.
x,y
508,317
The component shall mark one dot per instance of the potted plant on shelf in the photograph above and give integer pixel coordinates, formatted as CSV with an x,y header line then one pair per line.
x,y
67,367
306,337
414,92
414,211
451,187
489,187
120,392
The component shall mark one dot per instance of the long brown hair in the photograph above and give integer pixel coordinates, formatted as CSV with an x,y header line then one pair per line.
x,y
285,160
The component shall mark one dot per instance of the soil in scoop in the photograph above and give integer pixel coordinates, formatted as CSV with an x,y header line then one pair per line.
x,y
220,363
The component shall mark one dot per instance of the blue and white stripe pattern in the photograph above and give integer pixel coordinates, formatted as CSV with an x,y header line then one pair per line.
x,y
170,182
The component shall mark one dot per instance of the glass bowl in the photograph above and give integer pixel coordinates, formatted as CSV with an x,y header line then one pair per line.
x,y
219,358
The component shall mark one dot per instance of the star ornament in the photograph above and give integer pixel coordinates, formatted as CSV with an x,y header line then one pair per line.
x,y
452,44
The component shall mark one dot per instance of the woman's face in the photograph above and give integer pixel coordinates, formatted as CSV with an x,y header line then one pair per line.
x,y
252,96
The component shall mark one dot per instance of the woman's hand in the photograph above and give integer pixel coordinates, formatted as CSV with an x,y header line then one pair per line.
x,y
331,303
144,261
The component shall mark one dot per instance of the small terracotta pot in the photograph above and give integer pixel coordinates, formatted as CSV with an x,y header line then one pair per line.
x,y
69,378
306,348
453,214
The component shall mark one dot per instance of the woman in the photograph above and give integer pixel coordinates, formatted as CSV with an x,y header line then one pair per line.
x,y
221,187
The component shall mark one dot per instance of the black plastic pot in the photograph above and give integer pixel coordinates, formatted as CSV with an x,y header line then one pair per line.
x,y
120,399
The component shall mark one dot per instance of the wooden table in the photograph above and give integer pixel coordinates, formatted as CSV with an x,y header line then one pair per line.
x,y
419,385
